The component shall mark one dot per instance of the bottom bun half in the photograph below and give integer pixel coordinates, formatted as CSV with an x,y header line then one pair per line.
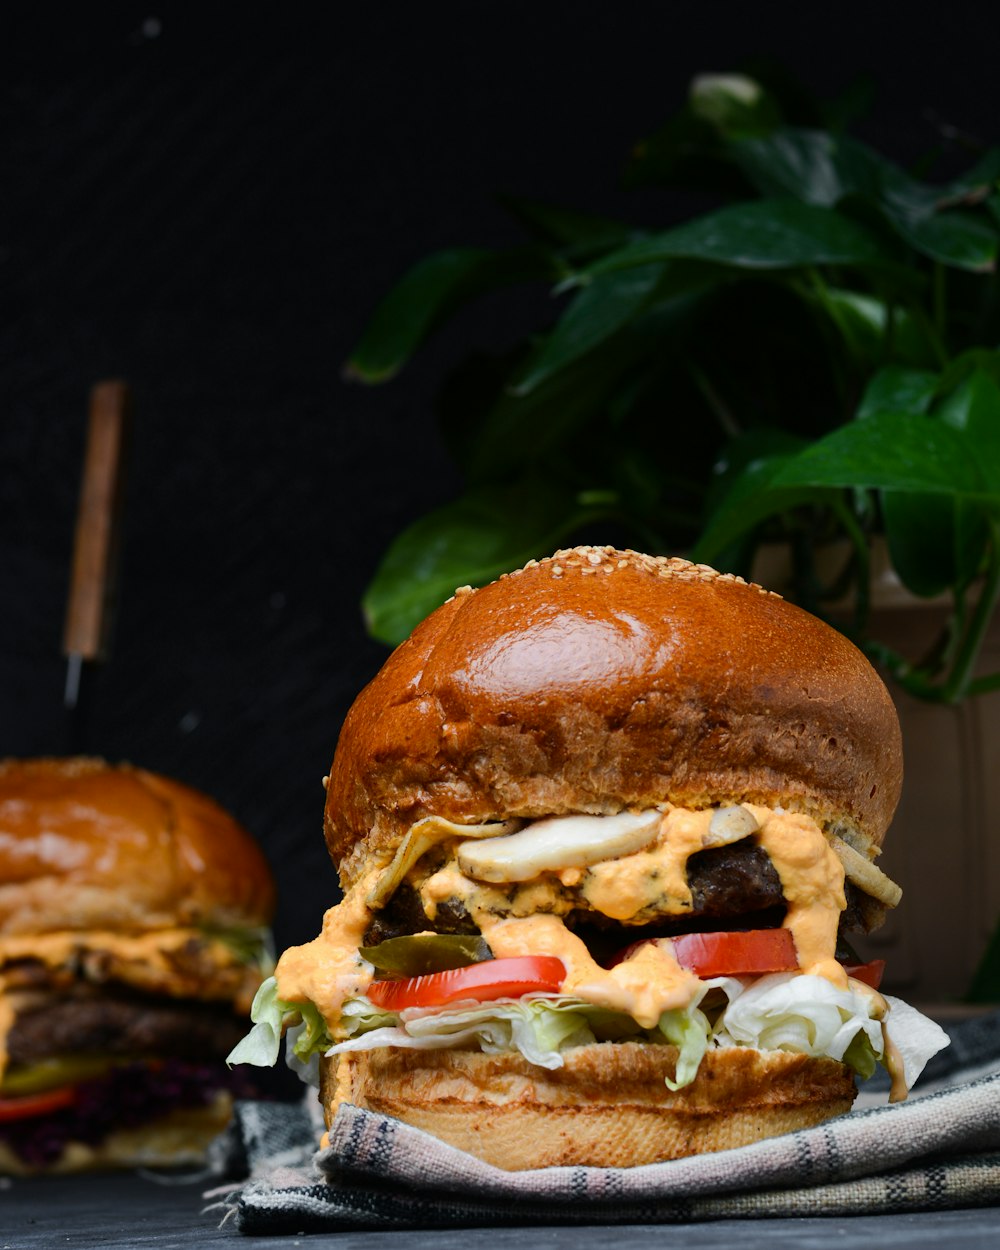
x,y
608,1106
180,1139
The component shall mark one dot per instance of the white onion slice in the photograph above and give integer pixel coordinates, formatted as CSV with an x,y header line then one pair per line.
x,y
420,838
730,824
558,842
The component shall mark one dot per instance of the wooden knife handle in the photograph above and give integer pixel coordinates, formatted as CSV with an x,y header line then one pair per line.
x,y
95,545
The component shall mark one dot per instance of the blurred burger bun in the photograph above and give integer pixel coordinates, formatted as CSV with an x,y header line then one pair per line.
x,y
87,845
133,936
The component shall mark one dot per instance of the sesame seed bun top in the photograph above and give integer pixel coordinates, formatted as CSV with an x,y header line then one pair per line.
x,y
89,845
599,679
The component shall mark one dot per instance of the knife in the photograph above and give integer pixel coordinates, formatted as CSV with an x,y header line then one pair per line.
x,y
96,543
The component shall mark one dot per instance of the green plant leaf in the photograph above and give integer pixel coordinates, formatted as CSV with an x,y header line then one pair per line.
x,y
470,541
598,311
752,496
924,218
811,165
976,183
863,322
920,533
886,451
751,457
517,431
896,388
974,407
954,238
760,234
935,541
892,451
919,528
430,292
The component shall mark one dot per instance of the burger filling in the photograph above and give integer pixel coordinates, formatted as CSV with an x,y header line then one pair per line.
x,y
719,927
102,1031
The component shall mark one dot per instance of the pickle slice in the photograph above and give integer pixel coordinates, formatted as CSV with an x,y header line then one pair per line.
x,y
417,954
43,1074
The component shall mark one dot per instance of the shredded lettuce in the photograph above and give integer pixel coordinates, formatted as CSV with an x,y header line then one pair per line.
x,y
915,1037
783,1011
270,1014
539,1027
689,1031
799,1012
860,1056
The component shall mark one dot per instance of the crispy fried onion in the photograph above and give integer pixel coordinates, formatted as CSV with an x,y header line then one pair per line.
x,y
864,874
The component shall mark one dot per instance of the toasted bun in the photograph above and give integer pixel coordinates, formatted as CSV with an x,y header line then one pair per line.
x,y
87,845
180,1139
608,1106
599,679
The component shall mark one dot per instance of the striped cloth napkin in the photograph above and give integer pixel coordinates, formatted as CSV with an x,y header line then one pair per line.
x,y
939,1149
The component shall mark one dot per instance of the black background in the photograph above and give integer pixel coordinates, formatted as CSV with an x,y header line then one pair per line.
x,y
209,202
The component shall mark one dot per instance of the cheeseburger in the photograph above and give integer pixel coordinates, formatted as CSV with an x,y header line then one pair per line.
x,y
133,914
604,828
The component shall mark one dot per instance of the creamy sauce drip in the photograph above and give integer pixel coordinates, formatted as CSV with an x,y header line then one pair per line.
x,y
621,888
812,881
526,918
329,970
811,875
892,1060
645,986
57,949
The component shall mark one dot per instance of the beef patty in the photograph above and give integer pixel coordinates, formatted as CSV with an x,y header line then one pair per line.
x,y
733,886
87,1020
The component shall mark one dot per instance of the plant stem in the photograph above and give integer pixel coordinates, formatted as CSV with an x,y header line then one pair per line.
x,y
722,411
984,685
940,302
959,680
862,551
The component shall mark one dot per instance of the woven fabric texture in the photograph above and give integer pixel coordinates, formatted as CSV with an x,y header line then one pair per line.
x,y
938,1150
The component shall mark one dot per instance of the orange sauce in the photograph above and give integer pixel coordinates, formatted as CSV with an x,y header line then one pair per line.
x,y
526,918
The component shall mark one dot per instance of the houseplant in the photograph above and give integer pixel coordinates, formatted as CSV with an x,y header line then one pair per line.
x,y
812,358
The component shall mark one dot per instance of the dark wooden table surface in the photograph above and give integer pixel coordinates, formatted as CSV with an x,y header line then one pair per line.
x,y
131,1211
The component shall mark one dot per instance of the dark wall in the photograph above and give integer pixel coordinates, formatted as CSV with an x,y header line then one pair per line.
x,y
209,207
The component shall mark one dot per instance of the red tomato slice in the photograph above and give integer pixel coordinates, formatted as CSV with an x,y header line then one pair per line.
x,y
753,952
494,978
27,1105
870,973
